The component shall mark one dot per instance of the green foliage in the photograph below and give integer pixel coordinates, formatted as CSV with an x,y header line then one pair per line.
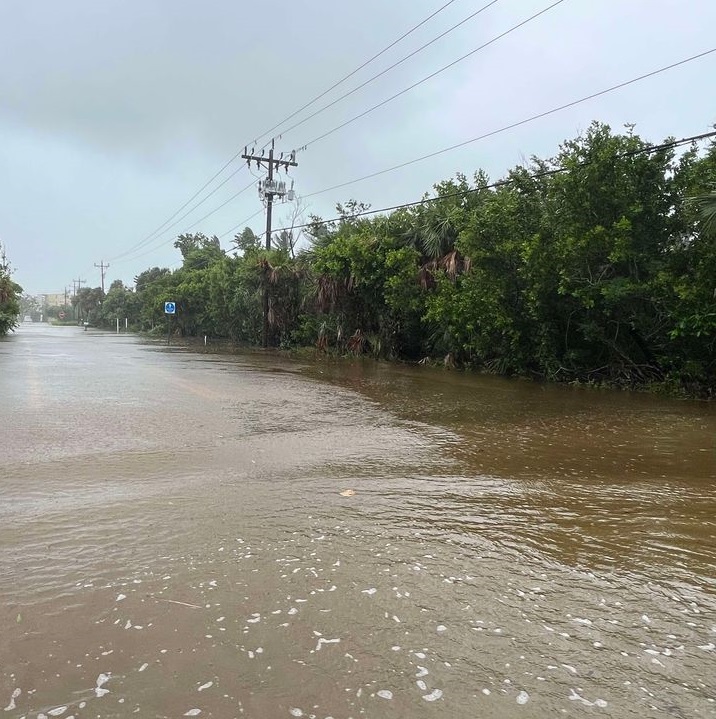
x,y
596,265
9,301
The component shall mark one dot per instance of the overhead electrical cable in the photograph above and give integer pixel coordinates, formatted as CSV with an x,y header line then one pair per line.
x,y
388,69
513,125
242,223
503,183
286,119
149,241
432,75
186,229
358,69
671,144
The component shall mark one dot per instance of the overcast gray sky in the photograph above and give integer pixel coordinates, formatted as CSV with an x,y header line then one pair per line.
x,y
114,112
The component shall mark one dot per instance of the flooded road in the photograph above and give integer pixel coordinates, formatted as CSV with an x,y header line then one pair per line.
x,y
174,540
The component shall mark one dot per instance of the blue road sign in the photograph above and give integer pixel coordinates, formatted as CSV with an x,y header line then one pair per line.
x,y
170,308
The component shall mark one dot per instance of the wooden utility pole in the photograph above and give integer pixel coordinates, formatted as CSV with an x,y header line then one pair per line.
x,y
76,285
102,268
267,191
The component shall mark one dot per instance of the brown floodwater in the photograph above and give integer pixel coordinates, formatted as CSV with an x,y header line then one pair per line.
x,y
174,540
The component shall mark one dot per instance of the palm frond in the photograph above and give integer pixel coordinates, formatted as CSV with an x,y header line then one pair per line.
x,y
706,205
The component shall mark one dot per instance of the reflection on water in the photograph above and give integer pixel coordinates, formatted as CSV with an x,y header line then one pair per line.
x,y
173,541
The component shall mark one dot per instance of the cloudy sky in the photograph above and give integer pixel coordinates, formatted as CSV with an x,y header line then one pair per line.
x,y
113,113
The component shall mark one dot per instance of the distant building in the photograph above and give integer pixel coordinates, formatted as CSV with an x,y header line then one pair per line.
x,y
54,300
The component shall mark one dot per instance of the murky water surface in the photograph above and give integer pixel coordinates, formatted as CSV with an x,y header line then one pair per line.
x,y
174,541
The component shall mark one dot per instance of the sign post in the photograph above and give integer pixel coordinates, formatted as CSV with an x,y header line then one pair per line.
x,y
170,309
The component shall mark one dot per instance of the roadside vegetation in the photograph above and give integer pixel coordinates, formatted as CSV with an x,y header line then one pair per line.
x,y
10,293
597,265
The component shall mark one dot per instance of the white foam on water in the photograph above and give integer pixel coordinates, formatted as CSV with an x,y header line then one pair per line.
x,y
422,685
396,648
205,686
296,712
385,693
434,695
15,694
441,628
57,711
422,672
523,697
486,692
102,679
143,667
574,696
569,668
120,597
293,610
192,713
370,591
322,641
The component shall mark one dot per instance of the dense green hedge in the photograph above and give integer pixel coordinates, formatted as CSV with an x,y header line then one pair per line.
x,y
596,265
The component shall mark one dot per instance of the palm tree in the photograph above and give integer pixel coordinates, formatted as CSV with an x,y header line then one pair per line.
x,y
706,205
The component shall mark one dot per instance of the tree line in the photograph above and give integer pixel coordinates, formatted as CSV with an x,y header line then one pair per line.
x,y
10,293
596,265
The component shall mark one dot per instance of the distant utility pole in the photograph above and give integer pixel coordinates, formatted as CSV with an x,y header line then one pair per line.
x,y
268,189
102,268
76,285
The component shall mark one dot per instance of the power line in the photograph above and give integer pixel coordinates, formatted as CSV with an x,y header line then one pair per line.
x,y
243,222
186,229
532,118
671,144
164,228
502,183
236,155
184,216
388,69
432,75
358,69
149,239
492,133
